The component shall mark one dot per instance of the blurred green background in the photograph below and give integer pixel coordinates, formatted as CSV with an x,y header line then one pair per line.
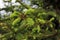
x,y
28,20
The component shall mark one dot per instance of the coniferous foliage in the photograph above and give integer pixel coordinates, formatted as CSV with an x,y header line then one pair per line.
x,y
34,21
